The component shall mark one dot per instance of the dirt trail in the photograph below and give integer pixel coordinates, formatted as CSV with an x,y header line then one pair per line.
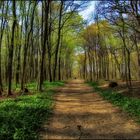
x,y
80,113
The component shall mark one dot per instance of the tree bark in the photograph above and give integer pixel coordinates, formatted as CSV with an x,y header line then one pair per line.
x,y
43,53
11,49
1,36
26,47
58,41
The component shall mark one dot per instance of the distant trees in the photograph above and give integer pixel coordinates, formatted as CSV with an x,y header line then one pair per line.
x,y
96,52
37,41
113,40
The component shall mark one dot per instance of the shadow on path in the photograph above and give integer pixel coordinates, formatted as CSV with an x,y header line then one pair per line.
x,y
80,113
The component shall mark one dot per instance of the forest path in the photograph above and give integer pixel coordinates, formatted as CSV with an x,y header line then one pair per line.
x,y
80,113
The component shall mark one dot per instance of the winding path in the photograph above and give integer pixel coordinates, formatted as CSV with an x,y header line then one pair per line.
x,y
80,113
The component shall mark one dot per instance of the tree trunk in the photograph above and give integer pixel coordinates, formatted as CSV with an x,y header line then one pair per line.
x,y
47,6
49,45
18,60
11,49
58,41
27,38
1,36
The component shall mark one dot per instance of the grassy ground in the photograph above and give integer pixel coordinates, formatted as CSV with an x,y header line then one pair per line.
x,y
128,104
33,85
21,118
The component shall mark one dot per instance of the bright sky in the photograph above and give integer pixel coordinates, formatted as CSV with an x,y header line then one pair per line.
x,y
87,14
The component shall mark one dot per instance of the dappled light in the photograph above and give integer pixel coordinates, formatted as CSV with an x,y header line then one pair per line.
x,y
98,118
69,69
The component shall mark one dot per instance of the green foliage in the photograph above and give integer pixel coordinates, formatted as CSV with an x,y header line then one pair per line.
x,y
22,117
53,84
128,104
33,85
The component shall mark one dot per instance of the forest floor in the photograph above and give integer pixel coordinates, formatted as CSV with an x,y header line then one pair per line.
x,y
133,92
21,116
81,113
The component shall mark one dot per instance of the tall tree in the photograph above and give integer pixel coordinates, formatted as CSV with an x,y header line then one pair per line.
x,y
1,36
58,40
27,39
11,48
43,49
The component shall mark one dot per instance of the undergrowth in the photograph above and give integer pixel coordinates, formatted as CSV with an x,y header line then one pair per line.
x,y
21,118
128,104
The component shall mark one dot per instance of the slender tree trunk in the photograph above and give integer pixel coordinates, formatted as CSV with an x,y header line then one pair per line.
x,y
47,6
18,59
1,87
85,65
138,53
128,65
11,49
26,48
59,66
90,65
1,37
49,45
58,41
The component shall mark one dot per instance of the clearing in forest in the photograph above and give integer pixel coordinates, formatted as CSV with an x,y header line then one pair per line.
x,y
79,113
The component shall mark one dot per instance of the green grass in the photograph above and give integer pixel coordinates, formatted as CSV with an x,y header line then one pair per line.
x,y
21,118
128,104
33,85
